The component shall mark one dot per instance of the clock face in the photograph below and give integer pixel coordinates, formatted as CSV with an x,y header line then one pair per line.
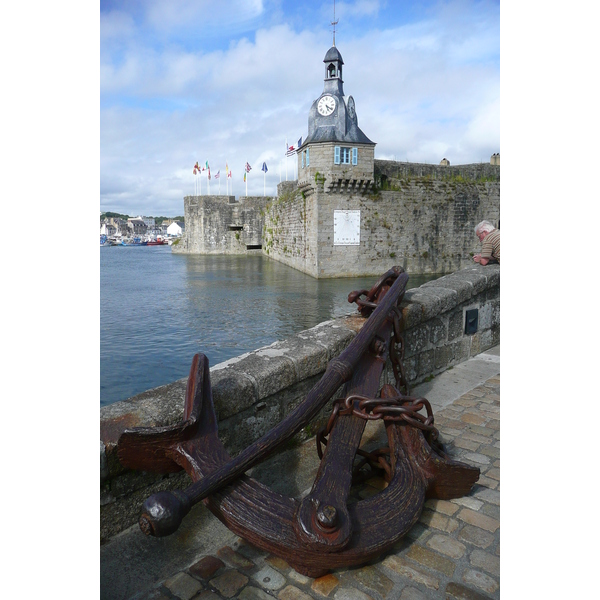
x,y
351,109
326,105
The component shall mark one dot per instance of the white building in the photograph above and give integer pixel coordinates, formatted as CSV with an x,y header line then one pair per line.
x,y
175,228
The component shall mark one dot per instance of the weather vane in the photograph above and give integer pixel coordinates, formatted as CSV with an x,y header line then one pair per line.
x,y
334,22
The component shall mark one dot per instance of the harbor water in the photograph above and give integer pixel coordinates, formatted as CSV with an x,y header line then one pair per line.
x,y
158,309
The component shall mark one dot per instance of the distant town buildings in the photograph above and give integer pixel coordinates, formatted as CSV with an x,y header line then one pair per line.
x,y
140,226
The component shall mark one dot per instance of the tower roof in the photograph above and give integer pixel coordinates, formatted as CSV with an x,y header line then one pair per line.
x,y
333,54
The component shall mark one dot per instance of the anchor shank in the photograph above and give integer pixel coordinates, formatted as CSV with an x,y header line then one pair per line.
x,y
334,478
339,371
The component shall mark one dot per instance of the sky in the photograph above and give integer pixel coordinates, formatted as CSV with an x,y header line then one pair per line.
x,y
232,82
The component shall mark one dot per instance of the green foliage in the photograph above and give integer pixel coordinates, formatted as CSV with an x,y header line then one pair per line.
x,y
392,255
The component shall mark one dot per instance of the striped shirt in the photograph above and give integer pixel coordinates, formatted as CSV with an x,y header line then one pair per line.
x,y
490,247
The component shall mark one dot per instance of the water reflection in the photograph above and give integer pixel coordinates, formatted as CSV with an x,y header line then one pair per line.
x,y
158,309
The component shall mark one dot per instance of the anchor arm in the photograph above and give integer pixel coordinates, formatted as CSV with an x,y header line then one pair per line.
x,y
172,507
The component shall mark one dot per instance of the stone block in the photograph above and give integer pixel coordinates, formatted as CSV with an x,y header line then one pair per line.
x,y
438,331
333,335
308,358
269,579
463,289
444,356
430,559
476,277
485,316
456,324
431,304
374,580
412,309
232,391
243,429
270,371
206,567
183,586
426,362
229,583
416,340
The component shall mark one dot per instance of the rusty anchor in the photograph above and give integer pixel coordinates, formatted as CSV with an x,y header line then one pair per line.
x,y
322,531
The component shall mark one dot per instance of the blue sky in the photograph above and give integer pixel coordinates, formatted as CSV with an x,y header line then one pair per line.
x,y
229,82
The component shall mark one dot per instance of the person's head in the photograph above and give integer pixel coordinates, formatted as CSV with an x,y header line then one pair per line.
x,y
482,229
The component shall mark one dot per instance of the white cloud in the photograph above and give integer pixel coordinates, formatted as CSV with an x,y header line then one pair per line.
x,y
422,92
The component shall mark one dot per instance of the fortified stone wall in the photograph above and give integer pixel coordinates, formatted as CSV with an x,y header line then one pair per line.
x,y
220,225
423,223
253,392
394,170
420,216
290,228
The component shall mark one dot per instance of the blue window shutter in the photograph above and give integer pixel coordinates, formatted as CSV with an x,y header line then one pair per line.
x,y
307,162
303,160
336,156
354,156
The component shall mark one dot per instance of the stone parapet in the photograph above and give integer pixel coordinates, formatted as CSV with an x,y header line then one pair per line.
x,y
253,392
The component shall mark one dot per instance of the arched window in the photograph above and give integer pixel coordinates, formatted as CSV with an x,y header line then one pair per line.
x,y
331,70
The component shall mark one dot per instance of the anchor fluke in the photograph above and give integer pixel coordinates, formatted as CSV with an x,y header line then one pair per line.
x,y
163,512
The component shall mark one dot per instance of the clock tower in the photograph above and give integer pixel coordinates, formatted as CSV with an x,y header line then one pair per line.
x,y
336,154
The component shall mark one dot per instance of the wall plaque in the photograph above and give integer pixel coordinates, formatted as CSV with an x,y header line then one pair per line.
x,y
346,227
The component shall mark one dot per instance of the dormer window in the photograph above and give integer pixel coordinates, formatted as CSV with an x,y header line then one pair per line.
x,y
331,70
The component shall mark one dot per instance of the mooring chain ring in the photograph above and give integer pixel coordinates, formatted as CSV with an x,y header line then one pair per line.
x,y
367,305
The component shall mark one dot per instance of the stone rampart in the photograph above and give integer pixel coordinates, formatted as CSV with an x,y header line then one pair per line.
x,y
420,216
253,392
222,225
424,223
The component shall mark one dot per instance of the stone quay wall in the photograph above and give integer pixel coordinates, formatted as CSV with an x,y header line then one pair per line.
x,y
253,392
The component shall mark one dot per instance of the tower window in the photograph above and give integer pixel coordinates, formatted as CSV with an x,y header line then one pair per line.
x,y
342,155
331,70
307,162
302,154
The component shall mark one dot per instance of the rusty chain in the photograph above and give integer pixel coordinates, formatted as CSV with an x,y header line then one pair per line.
x,y
400,408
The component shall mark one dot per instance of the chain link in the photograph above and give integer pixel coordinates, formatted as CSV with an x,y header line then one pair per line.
x,y
399,407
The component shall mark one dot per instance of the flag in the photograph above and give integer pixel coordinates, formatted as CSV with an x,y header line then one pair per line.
x,y
207,167
226,169
196,168
264,167
299,143
229,174
248,168
290,151
244,175
218,174
208,172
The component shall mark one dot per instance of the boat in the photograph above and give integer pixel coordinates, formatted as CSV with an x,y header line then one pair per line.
x,y
157,242
105,241
136,241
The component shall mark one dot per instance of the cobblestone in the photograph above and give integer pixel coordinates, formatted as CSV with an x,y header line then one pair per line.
x,y
183,586
451,553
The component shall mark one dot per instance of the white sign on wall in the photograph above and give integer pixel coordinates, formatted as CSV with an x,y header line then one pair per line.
x,y
346,227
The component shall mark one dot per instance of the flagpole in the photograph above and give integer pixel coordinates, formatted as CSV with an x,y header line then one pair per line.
x,y
286,151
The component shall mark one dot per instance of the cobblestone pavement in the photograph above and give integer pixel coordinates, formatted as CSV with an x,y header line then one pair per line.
x,y
453,552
